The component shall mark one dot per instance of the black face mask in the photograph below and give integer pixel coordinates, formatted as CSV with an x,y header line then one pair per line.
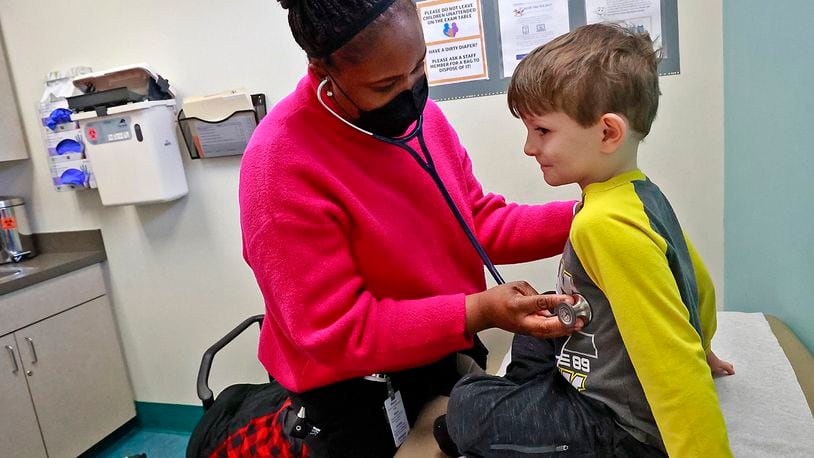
x,y
393,118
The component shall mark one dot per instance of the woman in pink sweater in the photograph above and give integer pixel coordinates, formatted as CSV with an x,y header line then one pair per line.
x,y
362,265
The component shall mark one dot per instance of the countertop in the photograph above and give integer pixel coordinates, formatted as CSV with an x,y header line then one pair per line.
x,y
59,253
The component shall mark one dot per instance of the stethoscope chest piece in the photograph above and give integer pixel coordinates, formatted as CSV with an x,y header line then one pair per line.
x,y
568,314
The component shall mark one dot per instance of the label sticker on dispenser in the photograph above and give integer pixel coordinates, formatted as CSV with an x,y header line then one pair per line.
x,y
108,131
8,224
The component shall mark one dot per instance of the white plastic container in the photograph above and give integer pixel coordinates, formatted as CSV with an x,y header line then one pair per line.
x,y
132,147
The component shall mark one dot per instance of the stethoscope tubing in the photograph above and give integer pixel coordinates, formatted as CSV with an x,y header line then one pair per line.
x,y
426,163
428,166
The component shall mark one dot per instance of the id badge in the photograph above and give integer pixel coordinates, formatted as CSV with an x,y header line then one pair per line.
x,y
397,417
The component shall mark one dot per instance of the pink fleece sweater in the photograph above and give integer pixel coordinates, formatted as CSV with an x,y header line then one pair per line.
x,y
361,263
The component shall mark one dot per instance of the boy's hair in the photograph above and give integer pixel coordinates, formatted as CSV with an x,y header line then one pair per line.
x,y
596,69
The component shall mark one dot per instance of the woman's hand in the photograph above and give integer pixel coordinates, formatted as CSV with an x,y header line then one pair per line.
x,y
718,366
518,308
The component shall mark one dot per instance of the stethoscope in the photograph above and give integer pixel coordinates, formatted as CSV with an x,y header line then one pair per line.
x,y
426,163
428,166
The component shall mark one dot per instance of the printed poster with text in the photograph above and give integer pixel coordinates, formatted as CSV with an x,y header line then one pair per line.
x,y
636,15
527,24
453,31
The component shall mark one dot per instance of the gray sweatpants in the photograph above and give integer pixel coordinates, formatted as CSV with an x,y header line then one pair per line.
x,y
534,412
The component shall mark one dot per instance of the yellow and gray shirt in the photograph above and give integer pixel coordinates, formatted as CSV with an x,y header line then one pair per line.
x,y
653,304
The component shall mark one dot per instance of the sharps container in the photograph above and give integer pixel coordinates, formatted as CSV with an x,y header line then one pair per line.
x,y
16,239
127,117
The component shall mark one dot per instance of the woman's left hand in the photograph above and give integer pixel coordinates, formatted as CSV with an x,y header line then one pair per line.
x,y
517,307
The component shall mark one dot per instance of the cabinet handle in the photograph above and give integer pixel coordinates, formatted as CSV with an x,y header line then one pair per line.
x,y
33,350
13,359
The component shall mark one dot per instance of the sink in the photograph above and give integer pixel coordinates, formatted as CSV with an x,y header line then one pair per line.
x,y
11,272
5,273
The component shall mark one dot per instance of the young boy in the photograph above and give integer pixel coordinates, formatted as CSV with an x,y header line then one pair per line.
x,y
635,380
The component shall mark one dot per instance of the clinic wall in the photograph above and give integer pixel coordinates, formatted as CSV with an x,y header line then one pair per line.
x,y
769,167
176,274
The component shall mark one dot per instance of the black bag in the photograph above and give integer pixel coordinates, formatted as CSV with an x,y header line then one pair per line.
x,y
246,421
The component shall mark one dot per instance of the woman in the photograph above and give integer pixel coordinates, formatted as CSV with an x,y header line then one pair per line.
x,y
362,265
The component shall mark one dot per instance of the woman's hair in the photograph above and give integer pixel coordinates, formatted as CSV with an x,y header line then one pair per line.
x,y
596,69
321,27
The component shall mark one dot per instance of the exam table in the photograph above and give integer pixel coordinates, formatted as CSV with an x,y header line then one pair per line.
x,y
767,404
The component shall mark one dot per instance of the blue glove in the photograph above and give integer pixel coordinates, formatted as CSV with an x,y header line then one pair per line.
x,y
57,117
69,146
73,176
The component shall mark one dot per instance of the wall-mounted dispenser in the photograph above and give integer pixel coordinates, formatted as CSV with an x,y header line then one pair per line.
x,y
127,117
62,138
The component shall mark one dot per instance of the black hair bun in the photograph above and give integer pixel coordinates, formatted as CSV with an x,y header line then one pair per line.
x,y
286,4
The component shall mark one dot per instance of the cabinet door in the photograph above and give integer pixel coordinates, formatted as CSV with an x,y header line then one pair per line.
x,y
77,378
11,130
19,432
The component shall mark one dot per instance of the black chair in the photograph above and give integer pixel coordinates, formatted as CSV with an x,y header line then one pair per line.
x,y
205,393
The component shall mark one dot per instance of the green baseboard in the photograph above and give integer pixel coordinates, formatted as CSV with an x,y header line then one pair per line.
x,y
155,417
174,418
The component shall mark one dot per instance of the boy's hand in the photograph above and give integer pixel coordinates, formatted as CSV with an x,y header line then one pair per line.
x,y
718,366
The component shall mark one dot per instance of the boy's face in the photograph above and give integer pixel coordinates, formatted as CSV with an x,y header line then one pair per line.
x,y
566,151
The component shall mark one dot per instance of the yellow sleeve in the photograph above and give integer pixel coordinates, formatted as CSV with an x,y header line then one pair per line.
x,y
627,260
707,311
